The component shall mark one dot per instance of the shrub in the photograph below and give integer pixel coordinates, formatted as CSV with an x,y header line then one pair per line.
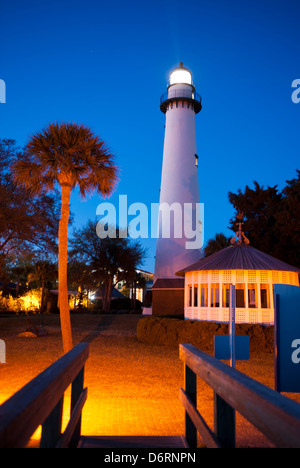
x,y
172,332
8,303
28,302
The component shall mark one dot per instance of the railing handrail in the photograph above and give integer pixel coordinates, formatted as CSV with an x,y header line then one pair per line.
x,y
30,407
180,93
275,415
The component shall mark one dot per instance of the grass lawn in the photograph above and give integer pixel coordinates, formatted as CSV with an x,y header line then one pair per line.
x,y
132,387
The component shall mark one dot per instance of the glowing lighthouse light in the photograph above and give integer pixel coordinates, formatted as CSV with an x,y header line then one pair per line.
x,y
180,75
179,194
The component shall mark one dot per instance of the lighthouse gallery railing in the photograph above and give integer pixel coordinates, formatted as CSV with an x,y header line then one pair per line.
x,y
180,93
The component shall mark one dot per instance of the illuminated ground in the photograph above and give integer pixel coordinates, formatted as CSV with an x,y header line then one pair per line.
x,y
133,387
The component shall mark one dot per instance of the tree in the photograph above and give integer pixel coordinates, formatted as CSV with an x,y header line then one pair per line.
x,y
27,223
79,275
288,221
66,155
43,271
271,218
219,242
80,279
20,271
110,259
138,281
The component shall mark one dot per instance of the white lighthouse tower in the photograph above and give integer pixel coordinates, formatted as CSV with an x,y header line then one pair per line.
x,y
179,236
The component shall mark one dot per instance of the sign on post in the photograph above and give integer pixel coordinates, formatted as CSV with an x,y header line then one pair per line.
x,y
223,351
287,338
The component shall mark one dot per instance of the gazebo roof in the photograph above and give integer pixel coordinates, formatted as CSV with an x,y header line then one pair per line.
x,y
239,256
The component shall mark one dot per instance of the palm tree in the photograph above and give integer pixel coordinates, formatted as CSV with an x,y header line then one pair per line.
x,y
110,259
68,155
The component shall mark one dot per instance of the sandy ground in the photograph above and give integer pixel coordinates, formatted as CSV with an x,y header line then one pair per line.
x,y
132,387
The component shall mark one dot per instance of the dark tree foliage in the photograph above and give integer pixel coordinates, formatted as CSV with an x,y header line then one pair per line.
x,y
271,219
219,242
109,260
27,223
44,273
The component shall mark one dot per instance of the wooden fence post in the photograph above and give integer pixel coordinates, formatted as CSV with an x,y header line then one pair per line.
x,y
190,382
224,422
77,388
51,429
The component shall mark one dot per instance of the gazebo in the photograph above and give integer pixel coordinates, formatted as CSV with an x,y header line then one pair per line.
x,y
254,273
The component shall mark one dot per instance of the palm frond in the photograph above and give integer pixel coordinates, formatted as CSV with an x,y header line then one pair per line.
x,y
67,153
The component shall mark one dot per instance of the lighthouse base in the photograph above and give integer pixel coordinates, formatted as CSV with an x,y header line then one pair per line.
x,y
168,297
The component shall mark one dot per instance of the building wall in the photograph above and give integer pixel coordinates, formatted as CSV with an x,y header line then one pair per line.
x,y
168,302
179,185
206,297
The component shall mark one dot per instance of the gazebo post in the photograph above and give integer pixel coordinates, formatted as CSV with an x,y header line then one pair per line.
x,y
220,314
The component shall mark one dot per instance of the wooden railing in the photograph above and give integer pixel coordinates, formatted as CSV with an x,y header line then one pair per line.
x,y
40,402
273,414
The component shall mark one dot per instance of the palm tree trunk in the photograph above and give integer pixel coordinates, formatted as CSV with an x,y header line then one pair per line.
x,y
65,320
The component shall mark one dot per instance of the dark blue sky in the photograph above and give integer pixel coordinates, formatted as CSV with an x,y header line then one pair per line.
x,y
106,64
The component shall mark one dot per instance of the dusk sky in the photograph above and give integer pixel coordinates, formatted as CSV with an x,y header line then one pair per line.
x,y
106,64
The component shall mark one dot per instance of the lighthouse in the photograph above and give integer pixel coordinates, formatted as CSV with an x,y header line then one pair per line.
x,y
179,237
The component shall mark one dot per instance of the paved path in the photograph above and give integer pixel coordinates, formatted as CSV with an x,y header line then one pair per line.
x,y
149,406
133,387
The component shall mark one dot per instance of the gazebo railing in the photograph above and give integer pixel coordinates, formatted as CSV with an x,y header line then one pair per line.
x,y
221,314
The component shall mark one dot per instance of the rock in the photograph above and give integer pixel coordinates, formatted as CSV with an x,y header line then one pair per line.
x,y
27,334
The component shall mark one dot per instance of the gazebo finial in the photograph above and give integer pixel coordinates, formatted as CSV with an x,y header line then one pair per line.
x,y
240,236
